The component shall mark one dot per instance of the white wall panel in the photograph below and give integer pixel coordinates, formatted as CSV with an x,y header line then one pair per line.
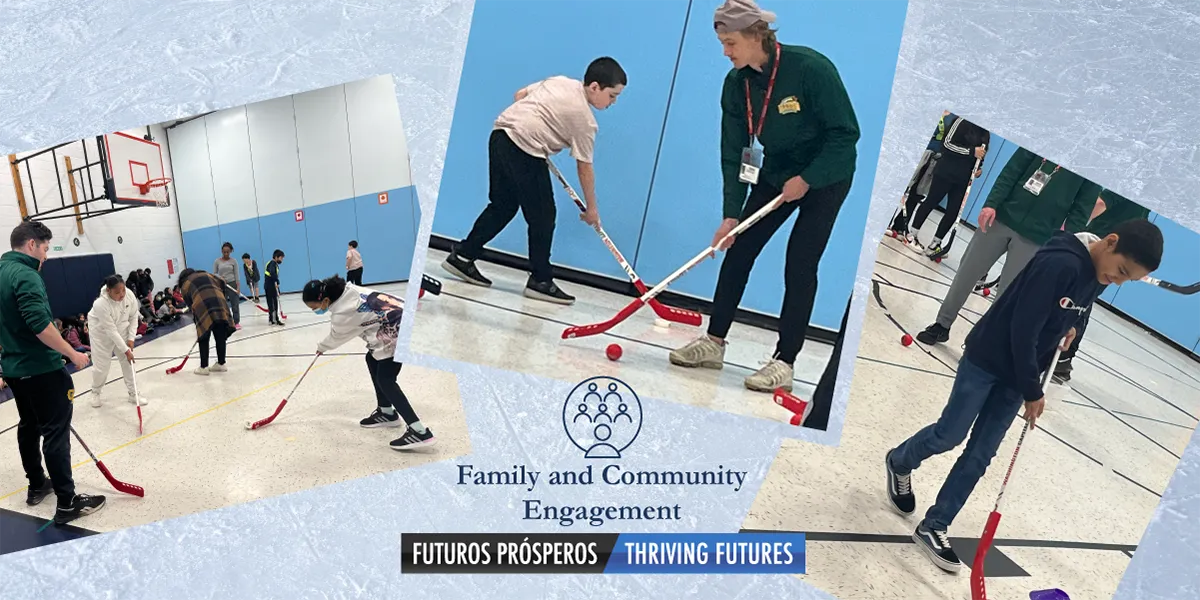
x,y
192,172
274,156
324,142
232,175
377,146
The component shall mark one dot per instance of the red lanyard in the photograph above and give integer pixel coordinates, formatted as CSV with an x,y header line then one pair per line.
x,y
766,100
1052,173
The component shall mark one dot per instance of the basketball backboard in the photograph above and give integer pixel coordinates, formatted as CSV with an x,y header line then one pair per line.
x,y
132,161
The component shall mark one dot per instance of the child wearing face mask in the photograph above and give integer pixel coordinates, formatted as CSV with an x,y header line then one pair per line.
x,y
374,316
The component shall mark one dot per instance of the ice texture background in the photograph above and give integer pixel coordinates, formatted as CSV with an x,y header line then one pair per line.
x,y
1105,87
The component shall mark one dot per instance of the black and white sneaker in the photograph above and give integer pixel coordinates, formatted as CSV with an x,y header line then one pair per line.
x,y
934,334
411,439
936,545
464,269
1062,371
900,489
81,506
35,495
381,419
547,291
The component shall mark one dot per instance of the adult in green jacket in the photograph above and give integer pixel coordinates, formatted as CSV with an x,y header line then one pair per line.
x,y
1031,199
787,129
1117,209
32,359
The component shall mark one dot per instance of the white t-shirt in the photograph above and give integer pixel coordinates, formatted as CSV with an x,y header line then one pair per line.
x,y
553,115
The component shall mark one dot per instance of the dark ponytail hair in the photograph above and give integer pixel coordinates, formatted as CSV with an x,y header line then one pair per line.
x,y
317,290
184,274
113,281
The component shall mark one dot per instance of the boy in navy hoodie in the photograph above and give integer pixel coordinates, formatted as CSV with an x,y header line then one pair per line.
x,y
1001,368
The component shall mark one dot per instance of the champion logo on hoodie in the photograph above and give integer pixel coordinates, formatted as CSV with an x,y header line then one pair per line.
x,y
1068,304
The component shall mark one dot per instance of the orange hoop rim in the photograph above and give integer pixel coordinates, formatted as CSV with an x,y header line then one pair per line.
x,y
144,188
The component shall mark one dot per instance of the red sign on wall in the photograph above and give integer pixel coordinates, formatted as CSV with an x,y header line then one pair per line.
x,y
383,198
299,216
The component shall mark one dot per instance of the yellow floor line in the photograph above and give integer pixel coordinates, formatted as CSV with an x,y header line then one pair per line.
x,y
199,414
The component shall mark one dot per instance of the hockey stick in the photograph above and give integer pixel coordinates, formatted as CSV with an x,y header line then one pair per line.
x,y
179,367
431,285
945,249
668,313
902,211
597,328
1186,290
247,299
120,486
267,421
137,398
799,408
978,589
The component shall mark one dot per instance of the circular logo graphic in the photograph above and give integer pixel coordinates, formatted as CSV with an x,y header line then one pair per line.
x,y
120,240
602,417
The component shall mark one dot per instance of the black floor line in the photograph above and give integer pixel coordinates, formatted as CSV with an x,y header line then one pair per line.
x,y
1070,445
1134,482
923,265
612,335
1126,423
1143,417
908,367
911,274
1128,553
243,356
889,283
879,538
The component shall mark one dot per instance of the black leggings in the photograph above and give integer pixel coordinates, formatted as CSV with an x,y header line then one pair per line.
x,y
516,181
272,306
952,189
221,334
818,211
354,276
822,398
387,391
44,407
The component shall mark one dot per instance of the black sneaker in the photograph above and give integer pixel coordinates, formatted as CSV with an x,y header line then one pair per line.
x,y
935,251
81,506
465,270
381,419
36,495
934,334
547,291
412,439
936,546
1062,371
900,489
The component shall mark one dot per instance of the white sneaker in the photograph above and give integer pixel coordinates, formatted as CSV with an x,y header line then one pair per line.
x,y
774,375
97,401
700,352
201,371
135,399
218,368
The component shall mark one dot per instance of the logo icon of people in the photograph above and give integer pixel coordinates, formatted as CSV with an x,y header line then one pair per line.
x,y
602,417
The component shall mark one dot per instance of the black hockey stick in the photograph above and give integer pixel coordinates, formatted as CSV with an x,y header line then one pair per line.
x,y
1186,290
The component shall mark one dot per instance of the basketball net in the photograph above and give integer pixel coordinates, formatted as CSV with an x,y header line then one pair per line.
x,y
156,190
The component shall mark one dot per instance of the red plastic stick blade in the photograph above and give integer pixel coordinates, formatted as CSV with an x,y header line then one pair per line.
x,y
978,589
675,315
139,419
262,308
267,421
793,404
121,486
598,328
177,368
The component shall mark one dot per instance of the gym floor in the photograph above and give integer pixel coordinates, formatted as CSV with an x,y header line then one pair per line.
x,y
499,327
1083,490
196,454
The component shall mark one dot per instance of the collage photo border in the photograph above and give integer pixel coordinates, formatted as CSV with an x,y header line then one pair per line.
x,y
1080,82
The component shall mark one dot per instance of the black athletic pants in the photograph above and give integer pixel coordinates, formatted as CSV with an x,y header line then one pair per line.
x,y
221,334
354,276
516,180
1080,327
272,303
387,390
939,187
45,404
818,211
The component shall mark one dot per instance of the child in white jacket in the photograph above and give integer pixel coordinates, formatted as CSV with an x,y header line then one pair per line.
x,y
375,317
114,321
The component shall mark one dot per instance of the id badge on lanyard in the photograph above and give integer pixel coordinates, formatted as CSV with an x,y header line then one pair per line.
x,y
752,155
1038,181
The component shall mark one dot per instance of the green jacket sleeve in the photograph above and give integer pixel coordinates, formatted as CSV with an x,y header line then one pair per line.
x,y
825,94
32,303
1081,207
734,137
1007,179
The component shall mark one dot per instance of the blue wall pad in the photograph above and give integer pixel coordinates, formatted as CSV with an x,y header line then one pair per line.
x,y
386,236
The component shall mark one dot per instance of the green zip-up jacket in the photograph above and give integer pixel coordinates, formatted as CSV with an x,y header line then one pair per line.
x,y
1117,209
24,313
810,129
1066,198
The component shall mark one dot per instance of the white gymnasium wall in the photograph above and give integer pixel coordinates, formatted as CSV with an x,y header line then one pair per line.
x,y
149,236
324,140
275,156
376,135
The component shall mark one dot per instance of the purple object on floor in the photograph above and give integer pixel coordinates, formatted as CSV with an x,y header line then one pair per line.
x,y
1054,594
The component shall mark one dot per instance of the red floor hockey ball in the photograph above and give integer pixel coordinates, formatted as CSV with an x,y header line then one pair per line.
x,y
421,294
907,340
613,352
987,292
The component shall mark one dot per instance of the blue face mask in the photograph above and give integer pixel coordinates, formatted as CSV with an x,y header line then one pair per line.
x,y
321,311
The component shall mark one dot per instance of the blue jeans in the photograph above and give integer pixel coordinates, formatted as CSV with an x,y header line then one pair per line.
x,y
978,398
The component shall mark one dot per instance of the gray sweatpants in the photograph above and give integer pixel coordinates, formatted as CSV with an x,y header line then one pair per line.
x,y
983,252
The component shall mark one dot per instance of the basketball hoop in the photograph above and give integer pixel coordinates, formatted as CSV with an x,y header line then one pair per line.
x,y
156,189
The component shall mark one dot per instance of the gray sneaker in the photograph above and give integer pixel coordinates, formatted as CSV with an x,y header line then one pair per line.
x,y
774,375
700,352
